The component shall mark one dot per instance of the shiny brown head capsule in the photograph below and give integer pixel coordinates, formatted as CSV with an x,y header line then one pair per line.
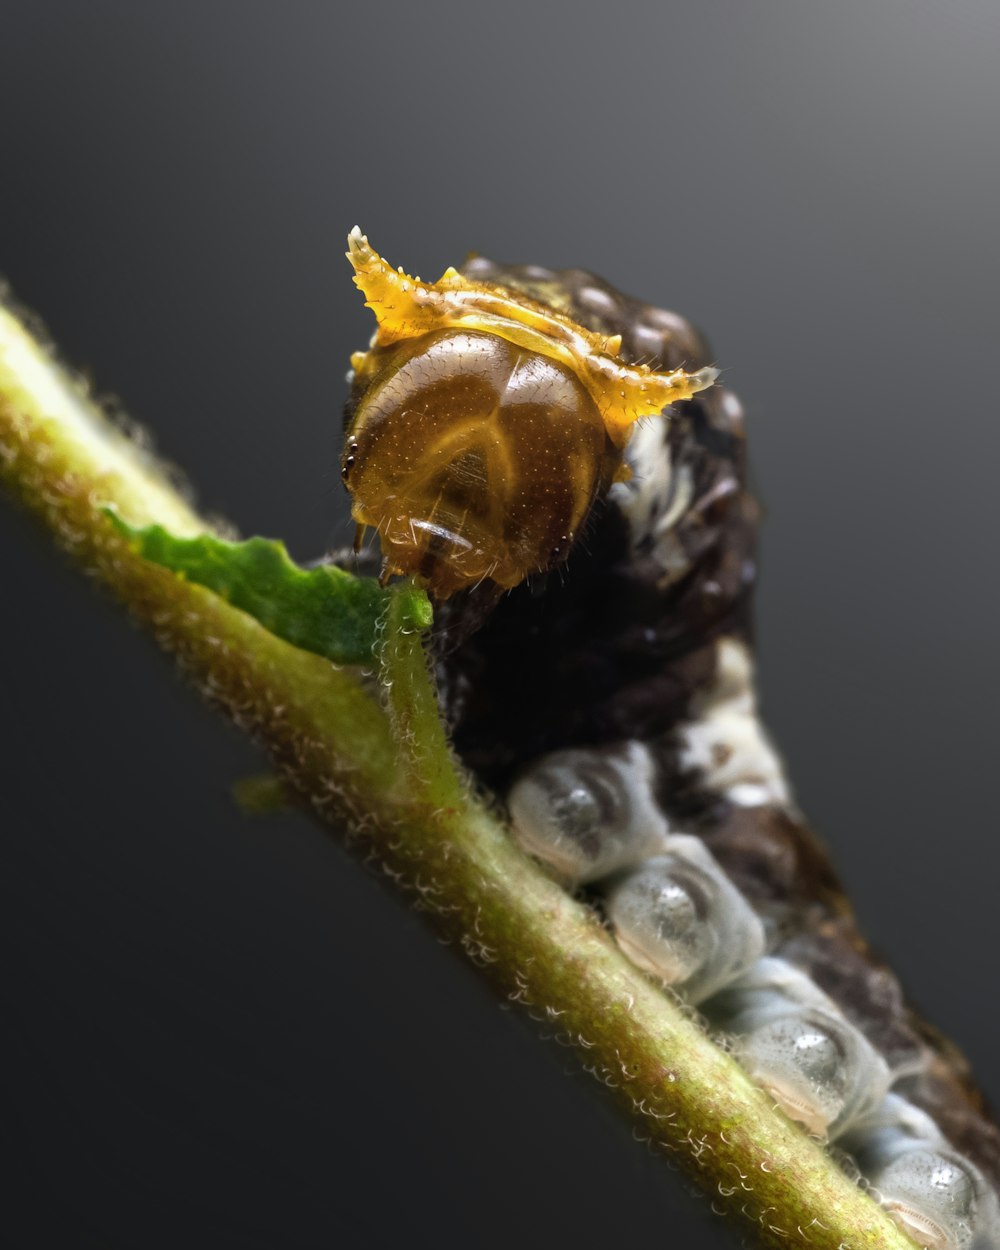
x,y
486,425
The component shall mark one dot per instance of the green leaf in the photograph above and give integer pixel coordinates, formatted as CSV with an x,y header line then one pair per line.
x,y
325,610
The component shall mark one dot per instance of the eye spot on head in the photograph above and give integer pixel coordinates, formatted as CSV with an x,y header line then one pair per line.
x,y
349,458
561,549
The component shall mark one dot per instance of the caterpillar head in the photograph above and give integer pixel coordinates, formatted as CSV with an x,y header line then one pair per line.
x,y
485,425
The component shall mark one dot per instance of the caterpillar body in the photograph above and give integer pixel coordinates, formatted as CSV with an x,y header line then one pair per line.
x,y
595,574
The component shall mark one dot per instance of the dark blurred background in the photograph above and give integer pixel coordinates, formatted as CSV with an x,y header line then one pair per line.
x,y
220,1031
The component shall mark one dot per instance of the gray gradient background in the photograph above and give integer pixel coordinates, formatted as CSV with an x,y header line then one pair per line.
x,y
221,1032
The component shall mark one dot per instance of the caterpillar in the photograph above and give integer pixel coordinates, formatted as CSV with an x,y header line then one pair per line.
x,y
557,464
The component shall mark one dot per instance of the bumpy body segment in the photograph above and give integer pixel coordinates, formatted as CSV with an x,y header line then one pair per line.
x,y
613,706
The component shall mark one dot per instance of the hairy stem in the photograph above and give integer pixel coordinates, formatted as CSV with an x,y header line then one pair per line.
x,y
386,771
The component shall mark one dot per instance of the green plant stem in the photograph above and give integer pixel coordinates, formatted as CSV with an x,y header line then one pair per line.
x,y
413,711
386,771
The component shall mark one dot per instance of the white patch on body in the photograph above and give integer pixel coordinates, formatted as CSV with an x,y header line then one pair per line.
x,y
726,742
656,497
644,496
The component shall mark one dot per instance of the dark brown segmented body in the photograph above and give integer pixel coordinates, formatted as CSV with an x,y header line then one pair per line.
x,y
620,644
612,646
602,682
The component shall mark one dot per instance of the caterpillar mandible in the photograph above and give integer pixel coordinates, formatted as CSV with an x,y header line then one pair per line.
x,y
594,575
